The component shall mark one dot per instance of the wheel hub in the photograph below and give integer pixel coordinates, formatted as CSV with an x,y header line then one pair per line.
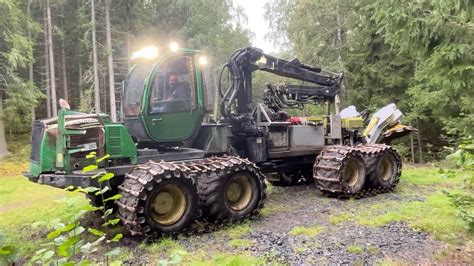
x,y
385,168
239,192
351,173
169,205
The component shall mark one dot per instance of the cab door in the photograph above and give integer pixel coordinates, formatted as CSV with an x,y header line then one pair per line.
x,y
171,112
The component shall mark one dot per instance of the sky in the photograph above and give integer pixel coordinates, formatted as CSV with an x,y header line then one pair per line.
x,y
255,11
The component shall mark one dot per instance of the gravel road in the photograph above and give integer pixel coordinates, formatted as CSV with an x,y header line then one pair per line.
x,y
346,242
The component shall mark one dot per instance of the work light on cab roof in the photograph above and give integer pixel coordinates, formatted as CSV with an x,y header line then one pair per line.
x,y
148,52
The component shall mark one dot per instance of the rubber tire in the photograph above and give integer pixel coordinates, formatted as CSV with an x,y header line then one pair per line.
x,y
190,192
373,171
212,195
359,185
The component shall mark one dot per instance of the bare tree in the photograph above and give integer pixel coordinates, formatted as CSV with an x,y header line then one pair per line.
x,y
3,142
47,83
30,64
110,61
51,60
64,70
95,63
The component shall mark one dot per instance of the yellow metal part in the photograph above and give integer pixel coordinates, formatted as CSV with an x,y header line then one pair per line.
x,y
352,122
397,131
371,125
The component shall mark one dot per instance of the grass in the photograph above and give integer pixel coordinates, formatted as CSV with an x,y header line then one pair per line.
x,y
241,243
427,176
23,203
432,212
436,216
337,219
238,230
307,231
269,210
355,249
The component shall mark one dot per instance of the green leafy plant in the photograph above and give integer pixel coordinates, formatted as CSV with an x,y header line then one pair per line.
x,y
8,252
464,202
70,242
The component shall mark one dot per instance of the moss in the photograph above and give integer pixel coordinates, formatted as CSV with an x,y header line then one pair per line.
x,y
355,249
373,250
300,250
164,245
269,210
436,215
390,262
226,259
239,230
307,231
337,219
241,243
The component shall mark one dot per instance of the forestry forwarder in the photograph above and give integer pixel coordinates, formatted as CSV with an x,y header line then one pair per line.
x,y
175,165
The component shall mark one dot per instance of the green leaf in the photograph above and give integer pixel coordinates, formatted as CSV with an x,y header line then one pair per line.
x,y
89,168
47,255
117,237
105,189
95,232
111,222
63,249
91,155
114,197
106,177
113,252
92,208
7,250
53,234
107,213
63,229
103,158
90,189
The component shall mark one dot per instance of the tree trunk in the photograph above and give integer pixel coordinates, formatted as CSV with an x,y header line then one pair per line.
x,y
51,61
110,61
339,36
420,148
47,82
81,93
3,142
64,70
30,64
95,63
412,148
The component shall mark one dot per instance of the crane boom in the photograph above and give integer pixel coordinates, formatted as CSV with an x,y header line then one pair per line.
x,y
243,62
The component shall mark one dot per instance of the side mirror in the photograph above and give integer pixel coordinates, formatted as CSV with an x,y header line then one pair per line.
x,y
64,104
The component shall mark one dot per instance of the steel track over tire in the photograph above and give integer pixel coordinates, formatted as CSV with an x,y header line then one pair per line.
x,y
339,170
383,168
234,191
158,198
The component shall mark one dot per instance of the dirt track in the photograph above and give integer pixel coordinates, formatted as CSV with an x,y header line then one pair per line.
x,y
287,207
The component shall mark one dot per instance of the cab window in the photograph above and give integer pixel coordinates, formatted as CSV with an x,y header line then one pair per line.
x,y
173,87
134,87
